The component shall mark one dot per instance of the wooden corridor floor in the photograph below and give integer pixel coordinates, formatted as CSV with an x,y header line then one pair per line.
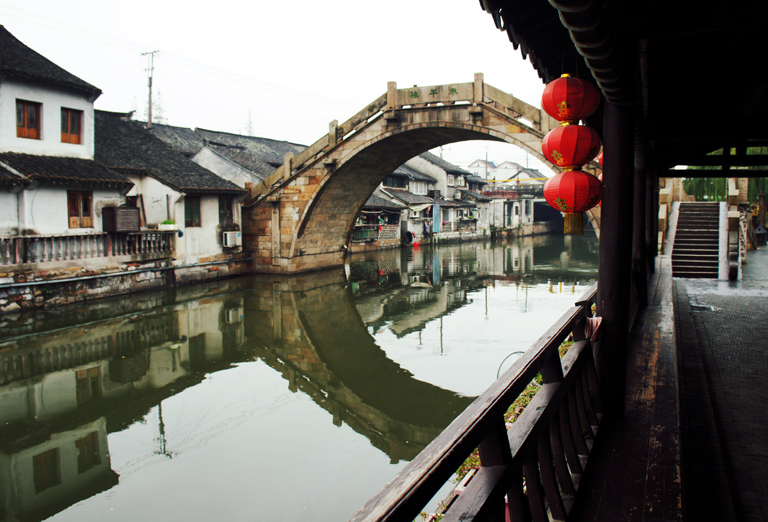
x,y
693,443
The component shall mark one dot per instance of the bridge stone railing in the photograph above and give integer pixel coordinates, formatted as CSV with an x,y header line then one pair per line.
x,y
472,93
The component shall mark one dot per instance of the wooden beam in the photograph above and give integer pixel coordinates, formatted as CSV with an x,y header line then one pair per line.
x,y
716,173
734,160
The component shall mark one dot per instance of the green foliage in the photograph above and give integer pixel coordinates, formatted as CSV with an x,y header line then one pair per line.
x,y
716,189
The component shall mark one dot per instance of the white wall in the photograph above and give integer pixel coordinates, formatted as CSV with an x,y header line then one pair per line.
x,y
427,167
9,214
203,241
50,121
44,209
157,199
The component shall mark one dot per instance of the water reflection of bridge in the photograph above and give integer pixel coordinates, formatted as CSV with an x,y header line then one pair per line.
x,y
336,361
65,389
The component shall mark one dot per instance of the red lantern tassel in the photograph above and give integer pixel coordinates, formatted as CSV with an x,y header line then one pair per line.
x,y
573,223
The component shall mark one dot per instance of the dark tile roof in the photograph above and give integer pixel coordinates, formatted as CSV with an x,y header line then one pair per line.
x,y
407,197
416,175
244,159
400,172
375,202
476,179
448,167
19,62
475,195
269,151
452,203
127,146
9,178
182,139
55,170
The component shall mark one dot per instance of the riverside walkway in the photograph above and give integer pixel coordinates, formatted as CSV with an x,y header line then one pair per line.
x,y
693,442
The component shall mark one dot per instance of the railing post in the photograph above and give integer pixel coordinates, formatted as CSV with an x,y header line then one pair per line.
x,y
287,165
495,451
477,92
333,129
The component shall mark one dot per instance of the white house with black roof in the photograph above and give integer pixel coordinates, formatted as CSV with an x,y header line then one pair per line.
x,y
47,149
168,187
461,217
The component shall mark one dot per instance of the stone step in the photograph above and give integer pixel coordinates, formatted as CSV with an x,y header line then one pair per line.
x,y
695,272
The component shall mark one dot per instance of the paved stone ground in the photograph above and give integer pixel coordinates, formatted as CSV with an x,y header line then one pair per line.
x,y
729,448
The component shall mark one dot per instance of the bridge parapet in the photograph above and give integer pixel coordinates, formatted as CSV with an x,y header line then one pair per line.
x,y
416,97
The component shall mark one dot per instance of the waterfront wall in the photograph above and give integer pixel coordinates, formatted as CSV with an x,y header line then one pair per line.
x,y
37,288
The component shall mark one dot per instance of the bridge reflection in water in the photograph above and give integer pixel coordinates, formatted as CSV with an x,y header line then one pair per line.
x,y
103,394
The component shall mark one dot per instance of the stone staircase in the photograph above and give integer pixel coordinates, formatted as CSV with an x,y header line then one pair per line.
x,y
696,251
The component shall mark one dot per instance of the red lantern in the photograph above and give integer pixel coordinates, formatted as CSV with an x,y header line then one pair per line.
x,y
570,99
571,146
600,159
572,192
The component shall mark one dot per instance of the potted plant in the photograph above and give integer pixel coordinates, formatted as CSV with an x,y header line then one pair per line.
x,y
168,224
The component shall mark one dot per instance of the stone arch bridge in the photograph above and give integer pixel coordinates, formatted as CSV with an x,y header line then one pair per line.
x,y
300,218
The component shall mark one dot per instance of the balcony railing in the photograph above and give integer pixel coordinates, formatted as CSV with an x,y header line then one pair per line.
x,y
19,250
463,225
375,232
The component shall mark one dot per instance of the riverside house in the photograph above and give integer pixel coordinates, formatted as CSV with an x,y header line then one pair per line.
x,y
85,196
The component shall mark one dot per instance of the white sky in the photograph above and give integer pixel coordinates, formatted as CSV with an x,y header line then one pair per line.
x,y
288,67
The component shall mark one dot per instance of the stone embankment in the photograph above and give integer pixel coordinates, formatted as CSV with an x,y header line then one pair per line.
x,y
26,288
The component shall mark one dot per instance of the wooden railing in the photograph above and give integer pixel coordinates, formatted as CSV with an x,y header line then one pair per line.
x,y
18,250
536,465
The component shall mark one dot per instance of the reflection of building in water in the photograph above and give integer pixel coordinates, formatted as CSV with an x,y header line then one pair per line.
x,y
60,389
43,476
421,305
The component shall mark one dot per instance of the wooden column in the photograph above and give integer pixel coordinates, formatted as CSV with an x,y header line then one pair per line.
x,y
615,258
639,258
652,214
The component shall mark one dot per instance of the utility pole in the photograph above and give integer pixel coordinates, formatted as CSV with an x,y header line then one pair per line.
x,y
150,69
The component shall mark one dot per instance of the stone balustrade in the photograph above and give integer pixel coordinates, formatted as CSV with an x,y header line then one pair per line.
x,y
22,250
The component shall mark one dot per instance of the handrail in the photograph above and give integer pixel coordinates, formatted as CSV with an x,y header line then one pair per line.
x,y
537,464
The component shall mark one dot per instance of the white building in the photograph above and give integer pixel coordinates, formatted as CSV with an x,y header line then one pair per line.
x,y
47,148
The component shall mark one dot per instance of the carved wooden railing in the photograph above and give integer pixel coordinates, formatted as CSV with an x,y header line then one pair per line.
x,y
534,468
17,250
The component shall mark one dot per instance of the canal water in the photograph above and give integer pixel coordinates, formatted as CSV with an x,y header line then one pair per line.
x,y
266,398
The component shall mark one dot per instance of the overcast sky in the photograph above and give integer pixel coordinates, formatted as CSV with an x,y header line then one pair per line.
x,y
279,69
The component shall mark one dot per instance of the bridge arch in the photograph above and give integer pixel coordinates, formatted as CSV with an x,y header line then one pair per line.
x,y
302,216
